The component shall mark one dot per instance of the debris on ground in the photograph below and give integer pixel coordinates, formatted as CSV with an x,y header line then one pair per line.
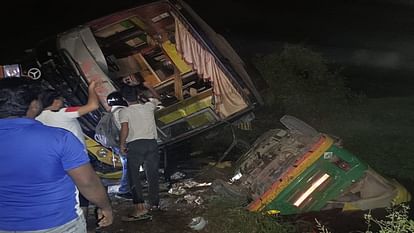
x,y
177,176
223,164
197,223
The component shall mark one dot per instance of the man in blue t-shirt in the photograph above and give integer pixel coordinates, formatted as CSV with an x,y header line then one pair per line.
x,y
40,166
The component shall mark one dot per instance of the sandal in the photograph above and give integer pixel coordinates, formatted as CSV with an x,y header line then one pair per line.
x,y
132,218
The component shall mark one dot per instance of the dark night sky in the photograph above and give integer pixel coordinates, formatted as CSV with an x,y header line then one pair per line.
x,y
343,23
25,24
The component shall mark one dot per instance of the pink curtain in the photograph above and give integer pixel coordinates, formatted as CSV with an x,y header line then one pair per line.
x,y
227,99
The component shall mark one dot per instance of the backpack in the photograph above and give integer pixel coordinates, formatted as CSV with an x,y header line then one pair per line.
x,y
106,132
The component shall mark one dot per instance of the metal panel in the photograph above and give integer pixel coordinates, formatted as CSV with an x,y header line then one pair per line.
x,y
85,54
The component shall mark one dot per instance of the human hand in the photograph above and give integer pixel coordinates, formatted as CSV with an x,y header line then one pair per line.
x,y
95,83
123,149
92,82
105,217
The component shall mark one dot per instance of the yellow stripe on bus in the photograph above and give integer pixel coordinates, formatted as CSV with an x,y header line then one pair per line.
x,y
293,172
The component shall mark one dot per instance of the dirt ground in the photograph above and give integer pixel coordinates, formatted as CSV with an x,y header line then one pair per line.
x,y
171,220
177,212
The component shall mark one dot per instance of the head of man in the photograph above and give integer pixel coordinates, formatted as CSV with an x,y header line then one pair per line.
x,y
130,93
51,100
19,98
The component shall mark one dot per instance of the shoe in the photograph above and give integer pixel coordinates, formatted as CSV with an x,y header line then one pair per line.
x,y
125,196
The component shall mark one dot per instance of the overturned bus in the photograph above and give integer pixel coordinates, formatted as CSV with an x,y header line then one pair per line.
x,y
298,169
202,82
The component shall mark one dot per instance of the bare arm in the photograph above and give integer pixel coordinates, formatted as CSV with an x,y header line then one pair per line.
x,y
152,90
91,187
93,100
123,134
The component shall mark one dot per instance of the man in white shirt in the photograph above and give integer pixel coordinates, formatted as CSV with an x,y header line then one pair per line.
x,y
138,139
56,115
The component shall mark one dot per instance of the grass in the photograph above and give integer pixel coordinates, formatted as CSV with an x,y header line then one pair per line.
x,y
379,131
227,216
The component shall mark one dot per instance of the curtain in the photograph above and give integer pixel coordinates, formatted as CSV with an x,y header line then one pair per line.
x,y
226,98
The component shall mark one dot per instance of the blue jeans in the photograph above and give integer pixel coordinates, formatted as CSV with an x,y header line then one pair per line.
x,y
124,184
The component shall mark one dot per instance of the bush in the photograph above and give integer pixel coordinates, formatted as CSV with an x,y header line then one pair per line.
x,y
301,84
396,221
